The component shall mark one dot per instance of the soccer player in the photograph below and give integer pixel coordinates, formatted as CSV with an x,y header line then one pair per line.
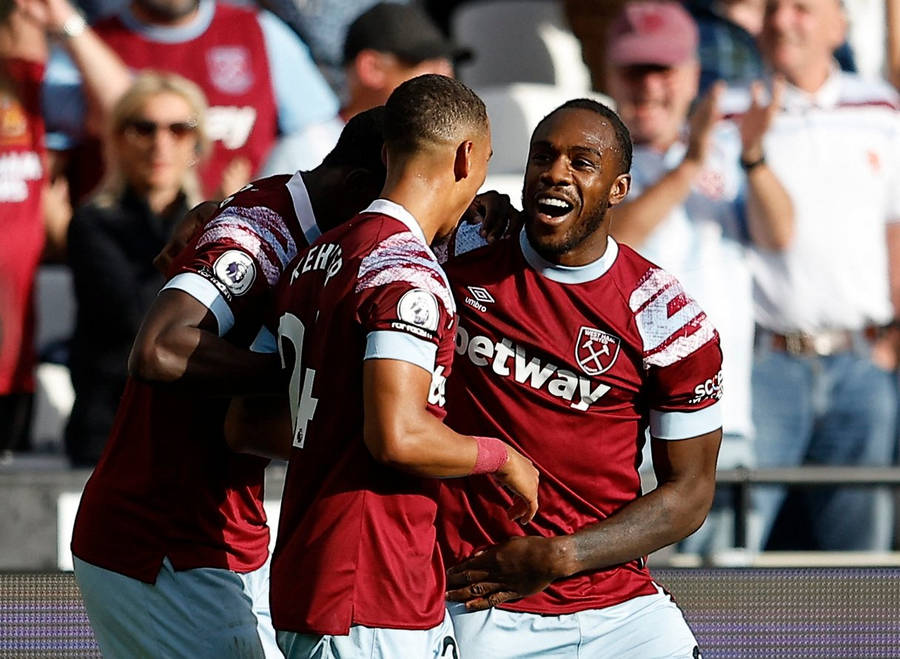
x,y
569,346
170,541
366,330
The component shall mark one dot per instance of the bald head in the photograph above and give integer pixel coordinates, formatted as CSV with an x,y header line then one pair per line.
x,y
799,37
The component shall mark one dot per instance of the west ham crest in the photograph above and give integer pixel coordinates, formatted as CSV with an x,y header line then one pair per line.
x,y
229,68
596,350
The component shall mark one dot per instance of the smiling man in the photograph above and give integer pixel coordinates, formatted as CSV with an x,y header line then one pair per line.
x,y
569,345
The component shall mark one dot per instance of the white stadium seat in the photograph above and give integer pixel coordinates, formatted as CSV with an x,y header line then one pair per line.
x,y
518,41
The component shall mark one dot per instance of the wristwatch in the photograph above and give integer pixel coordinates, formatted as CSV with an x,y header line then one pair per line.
x,y
748,165
73,26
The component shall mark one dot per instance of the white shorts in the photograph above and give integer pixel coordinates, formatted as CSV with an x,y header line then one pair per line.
x,y
205,612
646,627
374,643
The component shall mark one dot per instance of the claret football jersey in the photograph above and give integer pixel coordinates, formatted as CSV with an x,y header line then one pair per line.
x,y
167,484
356,539
571,365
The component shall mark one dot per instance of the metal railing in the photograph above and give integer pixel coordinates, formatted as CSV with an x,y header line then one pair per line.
x,y
741,480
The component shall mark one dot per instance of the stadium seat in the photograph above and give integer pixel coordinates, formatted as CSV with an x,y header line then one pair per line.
x,y
55,303
518,41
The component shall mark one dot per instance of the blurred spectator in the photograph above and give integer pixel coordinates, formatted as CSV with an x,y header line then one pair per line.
x,y
728,31
688,202
157,135
105,78
23,51
255,72
385,46
823,382
322,24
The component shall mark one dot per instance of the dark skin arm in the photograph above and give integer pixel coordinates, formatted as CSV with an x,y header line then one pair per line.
x,y
178,343
259,425
522,566
399,432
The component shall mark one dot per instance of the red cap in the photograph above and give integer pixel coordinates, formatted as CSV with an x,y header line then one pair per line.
x,y
652,33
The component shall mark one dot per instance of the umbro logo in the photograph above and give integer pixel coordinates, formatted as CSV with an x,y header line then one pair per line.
x,y
481,294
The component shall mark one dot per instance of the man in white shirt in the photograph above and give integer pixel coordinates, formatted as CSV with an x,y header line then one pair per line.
x,y
693,210
824,390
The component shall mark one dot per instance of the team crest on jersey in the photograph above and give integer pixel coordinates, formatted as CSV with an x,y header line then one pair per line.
x,y
229,68
236,270
420,308
596,350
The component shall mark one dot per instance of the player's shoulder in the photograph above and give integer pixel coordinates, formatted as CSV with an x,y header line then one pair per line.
x,y
479,257
390,253
670,323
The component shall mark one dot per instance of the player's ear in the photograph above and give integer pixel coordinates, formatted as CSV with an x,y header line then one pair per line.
x,y
619,189
462,163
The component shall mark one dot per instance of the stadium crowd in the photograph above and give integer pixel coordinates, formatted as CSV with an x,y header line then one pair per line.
x,y
765,176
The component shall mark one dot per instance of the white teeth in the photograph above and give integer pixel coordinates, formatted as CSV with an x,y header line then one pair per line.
x,y
557,203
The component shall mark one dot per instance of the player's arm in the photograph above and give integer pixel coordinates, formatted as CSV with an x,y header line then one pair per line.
x,y
178,343
401,433
522,566
260,426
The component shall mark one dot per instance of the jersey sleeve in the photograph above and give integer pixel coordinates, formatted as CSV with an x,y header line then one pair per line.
x,y
236,260
682,358
404,306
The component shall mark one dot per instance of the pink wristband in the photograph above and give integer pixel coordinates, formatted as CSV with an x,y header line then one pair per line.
x,y
491,455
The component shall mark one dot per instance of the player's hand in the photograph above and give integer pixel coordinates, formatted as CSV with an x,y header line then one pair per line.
x,y
496,215
520,477
192,222
521,566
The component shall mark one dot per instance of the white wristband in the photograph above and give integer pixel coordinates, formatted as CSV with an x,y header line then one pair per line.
x,y
73,26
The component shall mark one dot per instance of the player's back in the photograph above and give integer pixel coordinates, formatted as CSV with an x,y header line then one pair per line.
x,y
167,485
362,534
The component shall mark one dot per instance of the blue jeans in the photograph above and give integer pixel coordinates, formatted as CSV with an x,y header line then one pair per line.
x,y
835,410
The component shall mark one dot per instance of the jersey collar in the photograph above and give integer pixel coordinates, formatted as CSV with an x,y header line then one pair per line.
x,y
569,274
163,34
396,211
303,208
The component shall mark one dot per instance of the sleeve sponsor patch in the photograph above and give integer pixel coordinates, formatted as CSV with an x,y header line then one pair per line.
x,y
259,231
236,270
420,308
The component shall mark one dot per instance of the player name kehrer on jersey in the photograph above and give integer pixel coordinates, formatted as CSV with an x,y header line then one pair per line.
x,y
326,256
560,383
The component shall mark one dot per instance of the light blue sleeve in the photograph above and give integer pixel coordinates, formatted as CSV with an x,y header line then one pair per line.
x,y
301,92
63,101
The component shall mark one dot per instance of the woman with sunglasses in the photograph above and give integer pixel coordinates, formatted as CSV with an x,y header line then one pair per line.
x,y
156,138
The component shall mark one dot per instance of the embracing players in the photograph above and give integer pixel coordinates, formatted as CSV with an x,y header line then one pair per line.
x,y
569,346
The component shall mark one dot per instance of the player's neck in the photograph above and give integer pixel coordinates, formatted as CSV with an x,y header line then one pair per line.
x,y
431,199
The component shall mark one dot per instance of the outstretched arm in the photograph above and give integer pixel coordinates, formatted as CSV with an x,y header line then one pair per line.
x,y
685,471
400,432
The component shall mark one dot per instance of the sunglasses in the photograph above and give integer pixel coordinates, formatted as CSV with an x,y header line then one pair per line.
x,y
146,129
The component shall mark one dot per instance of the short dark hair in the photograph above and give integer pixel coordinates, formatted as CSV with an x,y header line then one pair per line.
x,y
431,109
360,143
6,9
623,137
